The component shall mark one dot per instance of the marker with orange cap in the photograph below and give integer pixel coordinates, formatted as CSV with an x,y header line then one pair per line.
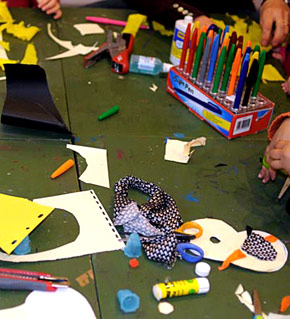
x,y
62,169
234,72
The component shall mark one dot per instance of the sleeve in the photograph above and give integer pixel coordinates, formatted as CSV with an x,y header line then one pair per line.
x,y
276,123
21,3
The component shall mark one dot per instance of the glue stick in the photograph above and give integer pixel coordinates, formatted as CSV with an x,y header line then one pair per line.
x,y
181,288
178,37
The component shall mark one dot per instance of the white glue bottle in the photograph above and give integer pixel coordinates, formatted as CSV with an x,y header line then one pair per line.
x,y
178,37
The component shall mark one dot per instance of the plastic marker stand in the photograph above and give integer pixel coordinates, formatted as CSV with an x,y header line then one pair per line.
x,y
217,110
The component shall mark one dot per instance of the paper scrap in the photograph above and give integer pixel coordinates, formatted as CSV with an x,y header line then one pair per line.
x,y
160,28
277,316
5,15
5,45
19,216
270,73
97,170
88,28
3,54
165,307
153,87
96,230
179,151
72,49
20,31
30,55
62,303
2,78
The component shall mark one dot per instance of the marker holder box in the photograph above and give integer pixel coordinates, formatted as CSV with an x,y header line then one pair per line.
x,y
218,113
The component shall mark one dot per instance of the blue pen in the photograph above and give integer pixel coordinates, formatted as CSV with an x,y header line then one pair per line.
x,y
213,57
241,83
204,62
227,29
248,51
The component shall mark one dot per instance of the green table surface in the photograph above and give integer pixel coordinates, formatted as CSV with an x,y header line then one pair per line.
x,y
134,139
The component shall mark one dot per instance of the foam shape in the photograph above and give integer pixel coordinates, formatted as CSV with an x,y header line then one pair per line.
x,y
19,216
96,231
231,240
28,101
62,303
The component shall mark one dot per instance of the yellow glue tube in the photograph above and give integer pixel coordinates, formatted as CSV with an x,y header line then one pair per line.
x,y
181,288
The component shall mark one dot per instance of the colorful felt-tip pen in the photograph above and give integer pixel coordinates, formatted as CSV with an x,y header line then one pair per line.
x,y
185,47
191,53
213,57
250,81
204,62
234,72
198,55
241,82
262,58
228,68
219,70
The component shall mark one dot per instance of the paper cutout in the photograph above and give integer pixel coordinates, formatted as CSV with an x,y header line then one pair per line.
x,y
30,55
96,231
153,87
20,31
160,28
134,22
5,45
3,54
63,303
88,28
276,316
28,101
271,74
7,61
97,171
231,240
2,78
19,216
179,151
72,49
5,15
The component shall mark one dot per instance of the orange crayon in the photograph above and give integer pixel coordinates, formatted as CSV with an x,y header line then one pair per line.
x,y
62,169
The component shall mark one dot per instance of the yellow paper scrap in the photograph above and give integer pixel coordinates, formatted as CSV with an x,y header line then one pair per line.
x,y
270,73
6,61
133,23
250,32
20,31
30,55
19,217
5,15
5,45
160,28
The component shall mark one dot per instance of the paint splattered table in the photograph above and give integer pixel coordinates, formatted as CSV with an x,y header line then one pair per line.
x,y
219,181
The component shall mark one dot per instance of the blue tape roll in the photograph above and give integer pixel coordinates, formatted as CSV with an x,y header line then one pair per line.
x,y
190,258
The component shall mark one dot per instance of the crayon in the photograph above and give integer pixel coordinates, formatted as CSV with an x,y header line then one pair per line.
x,y
63,168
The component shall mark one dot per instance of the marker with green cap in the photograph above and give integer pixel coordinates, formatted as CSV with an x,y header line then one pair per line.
x,y
219,70
109,112
262,59
198,55
228,68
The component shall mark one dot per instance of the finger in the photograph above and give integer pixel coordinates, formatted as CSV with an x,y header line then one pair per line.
x,y
42,3
275,154
266,26
57,15
266,177
276,164
280,144
262,172
272,173
281,31
51,7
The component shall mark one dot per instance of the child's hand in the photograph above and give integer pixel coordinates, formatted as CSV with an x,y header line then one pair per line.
x,y
280,156
283,133
50,7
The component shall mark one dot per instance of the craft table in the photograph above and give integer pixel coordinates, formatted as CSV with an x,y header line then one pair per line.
x,y
134,139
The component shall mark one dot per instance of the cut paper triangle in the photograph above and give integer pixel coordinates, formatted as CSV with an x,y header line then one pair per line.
x,y
28,101
19,217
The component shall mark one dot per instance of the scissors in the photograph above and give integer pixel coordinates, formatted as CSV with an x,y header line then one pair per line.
x,y
257,305
196,252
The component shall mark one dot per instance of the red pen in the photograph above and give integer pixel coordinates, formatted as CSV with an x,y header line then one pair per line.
x,y
192,50
15,279
185,47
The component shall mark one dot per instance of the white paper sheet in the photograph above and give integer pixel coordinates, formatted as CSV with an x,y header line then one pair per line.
x,y
97,172
96,231
179,151
88,28
72,49
60,304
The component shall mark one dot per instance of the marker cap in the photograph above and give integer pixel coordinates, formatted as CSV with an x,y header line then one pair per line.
x,y
166,67
202,269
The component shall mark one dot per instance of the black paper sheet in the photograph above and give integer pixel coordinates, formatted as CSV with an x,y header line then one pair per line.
x,y
28,101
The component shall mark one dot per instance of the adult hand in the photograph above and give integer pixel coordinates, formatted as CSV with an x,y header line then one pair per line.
x,y
280,156
204,21
278,12
283,133
50,7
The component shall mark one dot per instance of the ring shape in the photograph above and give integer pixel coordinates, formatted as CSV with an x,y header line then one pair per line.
x,y
181,248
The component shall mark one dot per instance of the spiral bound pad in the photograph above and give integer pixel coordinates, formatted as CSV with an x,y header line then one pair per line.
x,y
96,230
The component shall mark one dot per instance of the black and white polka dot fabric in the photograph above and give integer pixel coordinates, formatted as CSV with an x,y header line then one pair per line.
x,y
257,246
158,217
